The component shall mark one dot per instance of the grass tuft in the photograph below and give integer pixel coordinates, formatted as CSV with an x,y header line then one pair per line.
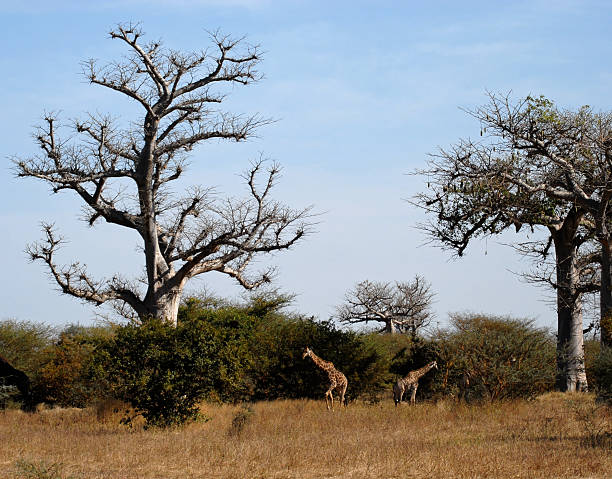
x,y
39,470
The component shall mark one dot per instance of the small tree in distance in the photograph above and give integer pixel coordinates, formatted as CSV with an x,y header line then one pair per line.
x,y
123,174
402,306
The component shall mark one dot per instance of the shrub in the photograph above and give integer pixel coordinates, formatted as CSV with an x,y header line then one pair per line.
x,y
602,369
25,344
501,357
27,347
270,344
592,347
416,353
66,377
163,371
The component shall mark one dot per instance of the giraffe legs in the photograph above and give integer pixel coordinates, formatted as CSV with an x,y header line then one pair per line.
x,y
329,397
398,392
342,393
413,393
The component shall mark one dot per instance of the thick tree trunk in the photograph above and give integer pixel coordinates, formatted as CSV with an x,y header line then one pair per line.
x,y
165,306
390,327
571,375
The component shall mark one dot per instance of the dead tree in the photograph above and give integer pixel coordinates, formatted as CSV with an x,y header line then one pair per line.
x,y
402,307
122,173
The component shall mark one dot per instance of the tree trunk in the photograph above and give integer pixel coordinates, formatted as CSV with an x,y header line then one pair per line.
x,y
390,327
571,375
165,306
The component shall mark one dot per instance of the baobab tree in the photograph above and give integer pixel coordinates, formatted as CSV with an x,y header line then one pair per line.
x,y
123,175
401,307
536,165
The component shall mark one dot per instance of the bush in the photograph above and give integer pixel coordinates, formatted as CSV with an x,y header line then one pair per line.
x,y
66,377
416,353
163,371
502,357
602,370
25,344
592,347
27,347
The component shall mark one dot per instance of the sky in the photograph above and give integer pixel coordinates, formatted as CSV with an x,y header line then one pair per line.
x,y
361,91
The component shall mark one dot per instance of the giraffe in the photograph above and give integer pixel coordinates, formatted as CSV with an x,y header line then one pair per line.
x,y
410,381
337,380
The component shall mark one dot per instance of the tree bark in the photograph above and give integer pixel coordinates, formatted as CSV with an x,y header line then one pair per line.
x,y
571,375
165,306
390,327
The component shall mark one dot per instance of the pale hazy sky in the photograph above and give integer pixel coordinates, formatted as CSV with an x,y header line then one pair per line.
x,y
362,92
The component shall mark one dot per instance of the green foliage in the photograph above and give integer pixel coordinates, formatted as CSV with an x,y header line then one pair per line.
x,y
230,329
602,369
281,372
247,352
66,377
502,357
25,344
163,371
270,344
592,348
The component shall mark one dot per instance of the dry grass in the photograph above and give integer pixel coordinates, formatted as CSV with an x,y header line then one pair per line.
x,y
555,436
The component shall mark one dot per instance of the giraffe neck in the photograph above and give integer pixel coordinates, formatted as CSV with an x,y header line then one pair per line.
x,y
420,372
325,365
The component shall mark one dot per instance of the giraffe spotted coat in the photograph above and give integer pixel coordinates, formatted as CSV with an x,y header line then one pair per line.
x,y
337,380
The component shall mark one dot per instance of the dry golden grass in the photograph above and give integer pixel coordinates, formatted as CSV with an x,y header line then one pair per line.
x,y
555,436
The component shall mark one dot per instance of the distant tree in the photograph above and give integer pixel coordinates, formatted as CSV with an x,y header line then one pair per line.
x,y
123,171
402,307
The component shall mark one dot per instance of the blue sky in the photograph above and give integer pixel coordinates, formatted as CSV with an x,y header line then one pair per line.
x,y
362,92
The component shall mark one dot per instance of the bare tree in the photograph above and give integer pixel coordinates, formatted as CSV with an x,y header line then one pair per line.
x,y
536,165
402,307
123,175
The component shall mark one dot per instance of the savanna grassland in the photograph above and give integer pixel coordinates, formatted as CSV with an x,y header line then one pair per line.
x,y
553,436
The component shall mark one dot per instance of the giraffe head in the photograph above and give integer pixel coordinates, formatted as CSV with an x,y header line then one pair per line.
x,y
434,364
307,352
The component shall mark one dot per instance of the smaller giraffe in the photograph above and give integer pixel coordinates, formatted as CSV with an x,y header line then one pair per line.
x,y
337,380
410,381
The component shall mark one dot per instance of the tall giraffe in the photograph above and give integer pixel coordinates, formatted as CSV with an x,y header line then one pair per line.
x,y
410,381
337,380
